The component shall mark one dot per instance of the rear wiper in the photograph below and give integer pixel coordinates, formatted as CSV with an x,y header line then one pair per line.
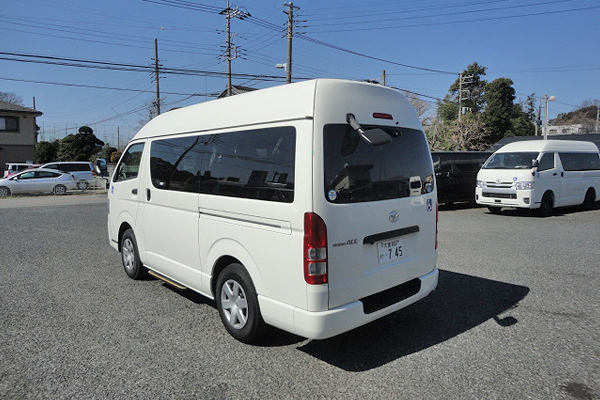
x,y
374,137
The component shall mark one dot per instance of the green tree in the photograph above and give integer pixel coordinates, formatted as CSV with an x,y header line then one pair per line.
x,y
46,151
472,97
79,147
499,109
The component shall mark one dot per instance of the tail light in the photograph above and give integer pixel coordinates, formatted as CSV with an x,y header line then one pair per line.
x,y
315,249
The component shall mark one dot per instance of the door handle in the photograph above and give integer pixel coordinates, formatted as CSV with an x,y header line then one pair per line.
x,y
148,194
134,191
554,174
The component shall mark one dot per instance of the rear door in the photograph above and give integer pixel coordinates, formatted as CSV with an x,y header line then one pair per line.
x,y
380,210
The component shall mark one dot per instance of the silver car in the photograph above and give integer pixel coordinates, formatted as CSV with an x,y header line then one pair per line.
x,y
39,180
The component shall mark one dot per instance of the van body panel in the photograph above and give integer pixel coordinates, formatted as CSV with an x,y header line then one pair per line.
x,y
567,185
186,230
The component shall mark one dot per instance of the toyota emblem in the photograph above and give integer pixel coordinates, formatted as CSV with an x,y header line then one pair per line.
x,y
394,216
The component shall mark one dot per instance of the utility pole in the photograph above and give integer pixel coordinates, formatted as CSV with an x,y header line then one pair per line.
x,y
229,13
597,117
461,80
383,78
290,35
156,77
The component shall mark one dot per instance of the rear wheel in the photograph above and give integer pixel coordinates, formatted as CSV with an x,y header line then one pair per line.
x,y
130,256
547,205
238,304
59,190
4,191
82,185
590,200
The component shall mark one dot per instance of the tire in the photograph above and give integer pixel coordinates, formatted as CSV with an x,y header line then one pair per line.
x,y
589,203
238,304
130,256
59,190
494,210
547,206
82,185
4,191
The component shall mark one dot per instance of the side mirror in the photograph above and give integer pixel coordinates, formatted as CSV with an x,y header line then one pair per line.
x,y
534,165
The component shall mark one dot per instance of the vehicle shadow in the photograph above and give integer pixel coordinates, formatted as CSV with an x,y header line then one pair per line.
x,y
557,212
460,303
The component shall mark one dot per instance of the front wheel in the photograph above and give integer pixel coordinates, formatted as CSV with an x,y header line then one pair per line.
x,y
4,191
494,210
130,256
238,304
547,205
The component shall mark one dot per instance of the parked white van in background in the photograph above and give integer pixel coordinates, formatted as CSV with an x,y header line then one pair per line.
x,y
310,207
540,174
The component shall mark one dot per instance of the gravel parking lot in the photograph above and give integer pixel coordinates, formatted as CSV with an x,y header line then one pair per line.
x,y
516,316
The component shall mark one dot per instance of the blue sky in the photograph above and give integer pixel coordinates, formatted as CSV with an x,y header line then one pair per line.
x,y
545,47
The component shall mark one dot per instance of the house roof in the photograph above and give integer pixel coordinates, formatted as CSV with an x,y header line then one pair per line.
x,y
6,106
236,90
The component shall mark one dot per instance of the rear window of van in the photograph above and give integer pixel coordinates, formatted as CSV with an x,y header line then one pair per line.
x,y
358,172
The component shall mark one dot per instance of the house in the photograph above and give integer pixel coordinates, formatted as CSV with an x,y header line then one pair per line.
x,y
573,129
18,133
236,90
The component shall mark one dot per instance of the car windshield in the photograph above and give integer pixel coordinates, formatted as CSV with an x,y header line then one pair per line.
x,y
356,171
518,160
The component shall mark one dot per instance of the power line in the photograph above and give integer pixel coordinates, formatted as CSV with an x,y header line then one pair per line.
x,y
106,87
115,66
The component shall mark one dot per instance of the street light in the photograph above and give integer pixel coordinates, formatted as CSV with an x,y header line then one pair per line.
x,y
547,99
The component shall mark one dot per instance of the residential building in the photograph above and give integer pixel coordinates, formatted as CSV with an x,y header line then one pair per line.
x,y
18,133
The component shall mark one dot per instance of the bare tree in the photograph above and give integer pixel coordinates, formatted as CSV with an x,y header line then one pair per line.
x,y
422,107
11,97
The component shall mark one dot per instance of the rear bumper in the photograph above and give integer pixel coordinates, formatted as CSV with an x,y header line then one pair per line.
x,y
325,324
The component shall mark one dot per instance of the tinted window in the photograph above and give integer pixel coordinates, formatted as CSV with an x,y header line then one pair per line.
x,y
547,162
579,161
130,163
257,164
357,172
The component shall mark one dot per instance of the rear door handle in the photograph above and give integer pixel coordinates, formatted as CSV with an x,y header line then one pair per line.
x,y
148,194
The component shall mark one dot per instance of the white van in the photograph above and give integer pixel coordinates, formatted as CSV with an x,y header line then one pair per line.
x,y
540,174
310,207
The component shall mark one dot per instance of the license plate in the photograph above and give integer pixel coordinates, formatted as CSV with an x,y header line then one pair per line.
x,y
390,251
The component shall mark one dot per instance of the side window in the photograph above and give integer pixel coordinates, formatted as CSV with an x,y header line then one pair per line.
x,y
580,161
47,174
256,164
129,165
547,162
27,175
175,163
